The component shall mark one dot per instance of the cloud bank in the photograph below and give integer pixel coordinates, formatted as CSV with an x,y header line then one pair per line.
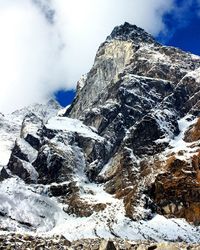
x,y
46,45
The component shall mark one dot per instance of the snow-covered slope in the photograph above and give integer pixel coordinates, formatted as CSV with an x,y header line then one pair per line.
x,y
122,161
10,125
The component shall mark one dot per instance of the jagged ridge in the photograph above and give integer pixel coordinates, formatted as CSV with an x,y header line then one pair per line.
x,y
123,158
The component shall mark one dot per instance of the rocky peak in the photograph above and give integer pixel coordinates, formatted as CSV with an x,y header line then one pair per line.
x,y
127,52
131,32
138,98
122,162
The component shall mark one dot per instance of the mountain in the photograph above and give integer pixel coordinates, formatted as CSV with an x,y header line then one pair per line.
x,y
123,161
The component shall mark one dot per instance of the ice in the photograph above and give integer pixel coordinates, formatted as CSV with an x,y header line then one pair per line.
x,y
20,202
178,143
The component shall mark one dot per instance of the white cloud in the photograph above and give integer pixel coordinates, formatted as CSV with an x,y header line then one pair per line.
x,y
33,61
30,59
84,24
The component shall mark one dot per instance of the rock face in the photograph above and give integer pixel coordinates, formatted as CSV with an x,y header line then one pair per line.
x,y
177,192
122,161
138,110
193,134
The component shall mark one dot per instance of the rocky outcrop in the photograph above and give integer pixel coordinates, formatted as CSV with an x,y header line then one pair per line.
x,y
52,165
30,130
193,134
22,169
123,157
138,113
20,162
3,174
177,191
145,57
81,208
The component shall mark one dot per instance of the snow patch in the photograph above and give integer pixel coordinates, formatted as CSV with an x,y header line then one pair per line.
x,y
71,125
178,143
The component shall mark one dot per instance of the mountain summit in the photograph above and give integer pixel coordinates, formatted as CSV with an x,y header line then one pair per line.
x,y
122,161
128,31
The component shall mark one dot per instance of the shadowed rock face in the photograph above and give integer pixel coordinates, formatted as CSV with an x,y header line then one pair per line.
x,y
126,150
3,174
16,166
138,107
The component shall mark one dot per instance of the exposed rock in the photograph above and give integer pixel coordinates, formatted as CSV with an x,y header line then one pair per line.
x,y
70,196
107,245
30,130
193,134
59,190
131,32
81,208
3,174
177,192
126,157
53,165
22,169
18,152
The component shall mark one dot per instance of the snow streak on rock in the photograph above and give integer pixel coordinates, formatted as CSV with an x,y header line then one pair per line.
x,y
121,161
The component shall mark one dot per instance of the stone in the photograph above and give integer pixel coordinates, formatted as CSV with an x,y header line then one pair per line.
x,y
3,174
107,245
168,246
17,167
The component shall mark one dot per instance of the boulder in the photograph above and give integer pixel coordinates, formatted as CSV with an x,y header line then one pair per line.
x,y
107,245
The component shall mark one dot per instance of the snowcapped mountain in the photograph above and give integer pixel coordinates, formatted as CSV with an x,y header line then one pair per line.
x,y
123,161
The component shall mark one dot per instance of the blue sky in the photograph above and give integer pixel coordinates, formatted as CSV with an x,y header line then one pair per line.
x,y
65,97
47,45
183,32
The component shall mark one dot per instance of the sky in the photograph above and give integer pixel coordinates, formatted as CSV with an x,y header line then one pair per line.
x,y
46,45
